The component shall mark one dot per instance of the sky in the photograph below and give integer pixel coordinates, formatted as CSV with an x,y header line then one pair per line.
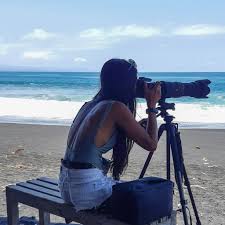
x,y
80,35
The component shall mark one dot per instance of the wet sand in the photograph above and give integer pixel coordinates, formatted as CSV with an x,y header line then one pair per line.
x,y
29,151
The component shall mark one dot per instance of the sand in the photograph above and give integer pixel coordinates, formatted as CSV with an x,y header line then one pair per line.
x,y
30,151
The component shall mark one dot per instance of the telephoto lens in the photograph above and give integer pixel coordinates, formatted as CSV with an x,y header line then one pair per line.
x,y
195,89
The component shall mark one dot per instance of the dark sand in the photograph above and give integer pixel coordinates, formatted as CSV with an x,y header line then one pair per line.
x,y
30,151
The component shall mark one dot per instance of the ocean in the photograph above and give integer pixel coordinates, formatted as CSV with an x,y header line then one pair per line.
x,y
55,97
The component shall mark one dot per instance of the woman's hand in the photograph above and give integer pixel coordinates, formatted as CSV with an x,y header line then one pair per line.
x,y
153,94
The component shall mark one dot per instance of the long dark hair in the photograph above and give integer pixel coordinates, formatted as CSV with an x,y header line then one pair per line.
x,y
118,78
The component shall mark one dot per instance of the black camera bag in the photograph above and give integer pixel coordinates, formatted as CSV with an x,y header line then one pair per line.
x,y
142,201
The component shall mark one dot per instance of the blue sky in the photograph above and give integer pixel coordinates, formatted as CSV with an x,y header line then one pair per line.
x,y
80,35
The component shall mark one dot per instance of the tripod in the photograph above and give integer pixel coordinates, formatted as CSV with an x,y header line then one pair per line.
x,y
173,144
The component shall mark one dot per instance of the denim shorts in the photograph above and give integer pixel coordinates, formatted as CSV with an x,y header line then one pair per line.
x,y
84,188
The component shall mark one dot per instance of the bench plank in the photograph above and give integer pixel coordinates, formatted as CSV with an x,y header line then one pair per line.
x,y
24,195
40,189
44,184
49,180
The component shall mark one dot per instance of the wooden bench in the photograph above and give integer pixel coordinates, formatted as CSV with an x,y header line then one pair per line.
x,y
43,194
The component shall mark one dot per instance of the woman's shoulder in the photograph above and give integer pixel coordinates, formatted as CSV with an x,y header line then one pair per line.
x,y
113,106
107,103
119,106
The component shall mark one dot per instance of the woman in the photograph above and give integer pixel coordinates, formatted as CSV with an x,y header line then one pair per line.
x,y
107,122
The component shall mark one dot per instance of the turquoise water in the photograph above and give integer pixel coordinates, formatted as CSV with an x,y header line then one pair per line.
x,y
29,89
82,86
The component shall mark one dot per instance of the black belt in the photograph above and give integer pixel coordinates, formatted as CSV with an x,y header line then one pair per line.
x,y
76,165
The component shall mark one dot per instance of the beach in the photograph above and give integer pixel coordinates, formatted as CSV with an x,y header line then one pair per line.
x,y
31,151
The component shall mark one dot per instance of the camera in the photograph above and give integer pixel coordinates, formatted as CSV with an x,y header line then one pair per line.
x,y
196,89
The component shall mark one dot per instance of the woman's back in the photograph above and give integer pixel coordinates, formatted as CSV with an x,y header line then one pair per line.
x,y
91,134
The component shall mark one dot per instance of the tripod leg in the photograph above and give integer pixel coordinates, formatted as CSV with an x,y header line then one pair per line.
x,y
167,154
187,183
186,180
146,165
177,170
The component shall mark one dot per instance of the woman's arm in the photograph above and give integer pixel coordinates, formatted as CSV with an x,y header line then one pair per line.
x,y
122,117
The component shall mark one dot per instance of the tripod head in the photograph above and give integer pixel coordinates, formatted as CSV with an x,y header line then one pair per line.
x,y
163,107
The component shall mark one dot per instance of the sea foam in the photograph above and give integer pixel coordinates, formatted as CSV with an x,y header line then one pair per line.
x,y
20,110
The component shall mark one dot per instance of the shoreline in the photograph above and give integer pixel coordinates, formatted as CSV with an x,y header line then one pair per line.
x,y
182,125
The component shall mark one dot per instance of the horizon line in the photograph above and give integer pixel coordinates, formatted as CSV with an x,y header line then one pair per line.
x,y
65,71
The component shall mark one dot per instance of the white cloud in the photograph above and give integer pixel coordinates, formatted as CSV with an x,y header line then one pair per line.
x,y
98,38
199,29
43,55
39,34
132,31
79,60
92,33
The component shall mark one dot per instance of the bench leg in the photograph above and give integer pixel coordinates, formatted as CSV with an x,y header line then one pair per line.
x,y
44,218
12,210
